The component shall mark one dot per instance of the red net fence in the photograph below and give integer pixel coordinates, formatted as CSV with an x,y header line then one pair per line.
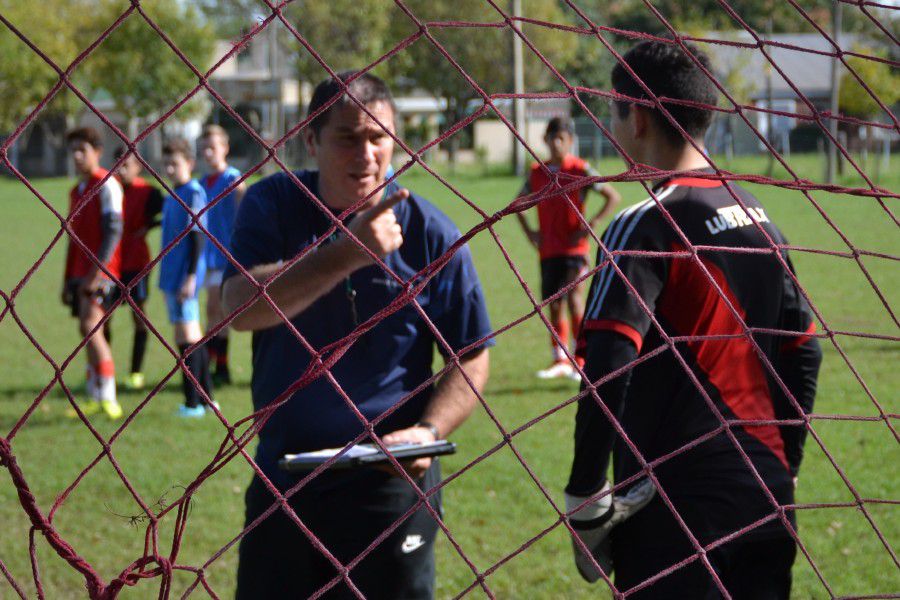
x,y
166,525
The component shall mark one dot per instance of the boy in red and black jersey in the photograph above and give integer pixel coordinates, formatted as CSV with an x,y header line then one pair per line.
x,y
561,239
142,207
95,213
741,325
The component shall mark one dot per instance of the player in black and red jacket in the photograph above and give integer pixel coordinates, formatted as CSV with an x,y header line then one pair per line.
x,y
720,304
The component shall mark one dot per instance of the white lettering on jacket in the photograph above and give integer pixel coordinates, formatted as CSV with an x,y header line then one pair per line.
x,y
732,217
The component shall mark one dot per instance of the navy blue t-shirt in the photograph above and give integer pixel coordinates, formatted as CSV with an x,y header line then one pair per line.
x,y
274,223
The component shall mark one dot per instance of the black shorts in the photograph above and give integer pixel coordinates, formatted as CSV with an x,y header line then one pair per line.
x,y
346,511
559,271
139,292
749,567
104,296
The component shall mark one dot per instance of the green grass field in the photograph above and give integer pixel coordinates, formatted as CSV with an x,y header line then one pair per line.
x,y
493,508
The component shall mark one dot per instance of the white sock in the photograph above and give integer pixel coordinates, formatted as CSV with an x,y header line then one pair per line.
x,y
92,390
106,389
559,354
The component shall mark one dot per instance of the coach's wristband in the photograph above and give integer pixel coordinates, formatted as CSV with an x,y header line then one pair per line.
x,y
430,427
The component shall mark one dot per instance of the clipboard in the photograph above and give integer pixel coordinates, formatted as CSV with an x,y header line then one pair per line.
x,y
363,455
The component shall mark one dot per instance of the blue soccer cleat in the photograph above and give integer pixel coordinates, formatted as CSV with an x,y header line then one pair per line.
x,y
191,412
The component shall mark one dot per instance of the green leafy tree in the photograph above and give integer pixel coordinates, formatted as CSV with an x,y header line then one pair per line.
x,y
711,15
590,64
884,82
138,70
854,100
58,29
708,15
345,33
230,18
485,54
25,77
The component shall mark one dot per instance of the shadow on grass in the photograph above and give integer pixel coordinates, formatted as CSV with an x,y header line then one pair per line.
x,y
535,388
50,413
31,392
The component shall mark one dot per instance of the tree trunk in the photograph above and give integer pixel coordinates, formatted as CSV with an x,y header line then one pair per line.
x,y
70,125
48,152
452,116
865,146
729,138
21,142
13,155
770,122
134,128
842,140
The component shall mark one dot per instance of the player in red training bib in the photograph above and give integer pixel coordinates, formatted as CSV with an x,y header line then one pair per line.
x,y
142,207
561,239
95,213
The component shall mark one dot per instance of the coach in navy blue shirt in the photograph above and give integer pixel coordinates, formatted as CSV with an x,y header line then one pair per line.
x,y
327,294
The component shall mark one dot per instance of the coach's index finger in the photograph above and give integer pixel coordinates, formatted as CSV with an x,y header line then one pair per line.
x,y
388,203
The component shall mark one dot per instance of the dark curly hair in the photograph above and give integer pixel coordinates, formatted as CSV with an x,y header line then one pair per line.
x,y
366,88
557,124
668,72
85,134
178,146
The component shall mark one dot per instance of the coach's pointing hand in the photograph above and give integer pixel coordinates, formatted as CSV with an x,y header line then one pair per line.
x,y
377,228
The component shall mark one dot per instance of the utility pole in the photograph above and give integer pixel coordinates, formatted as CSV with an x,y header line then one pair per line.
x,y
275,91
770,122
275,85
832,156
518,104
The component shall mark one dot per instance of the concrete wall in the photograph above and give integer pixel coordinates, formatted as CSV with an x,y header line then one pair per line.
x,y
496,139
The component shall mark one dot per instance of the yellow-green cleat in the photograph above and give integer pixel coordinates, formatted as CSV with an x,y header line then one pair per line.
x,y
88,407
112,408
135,381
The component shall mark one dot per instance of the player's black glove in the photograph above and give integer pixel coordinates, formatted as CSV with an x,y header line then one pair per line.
x,y
594,522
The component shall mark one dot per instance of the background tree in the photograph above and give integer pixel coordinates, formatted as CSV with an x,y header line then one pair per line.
x,y
484,53
136,68
346,33
855,101
351,33
710,15
590,64
881,78
230,18
59,30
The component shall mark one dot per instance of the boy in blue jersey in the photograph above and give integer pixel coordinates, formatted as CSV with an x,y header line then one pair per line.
x,y
382,375
182,268
220,219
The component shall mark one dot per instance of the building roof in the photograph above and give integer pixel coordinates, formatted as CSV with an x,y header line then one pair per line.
x,y
420,104
808,71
